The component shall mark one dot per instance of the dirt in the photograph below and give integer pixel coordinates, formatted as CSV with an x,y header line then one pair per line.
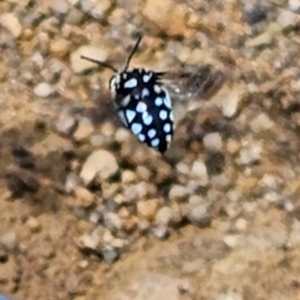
x,y
234,230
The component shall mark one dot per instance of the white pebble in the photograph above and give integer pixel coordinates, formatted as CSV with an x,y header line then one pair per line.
x,y
213,141
250,153
294,5
101,163
199,171
11,23
60,6
43,90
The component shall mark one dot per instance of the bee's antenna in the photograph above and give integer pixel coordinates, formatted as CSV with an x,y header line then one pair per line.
x,y
133,51
100,63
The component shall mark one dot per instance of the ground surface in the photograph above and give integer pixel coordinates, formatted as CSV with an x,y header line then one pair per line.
x,y
87,212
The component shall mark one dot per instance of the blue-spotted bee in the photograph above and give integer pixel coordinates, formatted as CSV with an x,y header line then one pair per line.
x,y
150,103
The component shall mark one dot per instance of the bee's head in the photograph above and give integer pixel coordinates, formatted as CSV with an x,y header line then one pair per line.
x,y
114,81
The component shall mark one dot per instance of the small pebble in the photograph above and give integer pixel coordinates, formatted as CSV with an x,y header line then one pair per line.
x,y
101,9
261,123
199,215
139,191
164,215
38,59
287,18
43,90
9,240
196,199
110,255
110,191
101,163
213,141
182,168
143,225
254,13
231,98
74,16
84,197
130,224
60,6
158,13
241,224
33,224
118,243
113,221
11,23
250,153
84,130
199,171
178,193
264,39
128,177
215,163
232,240
82,264
161,232
294,5
72,181
122,135
95,217
86,241
65,123
147,209
233,146
60,47
230,296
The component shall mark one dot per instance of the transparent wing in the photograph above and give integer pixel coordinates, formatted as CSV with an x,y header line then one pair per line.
x,y
189,88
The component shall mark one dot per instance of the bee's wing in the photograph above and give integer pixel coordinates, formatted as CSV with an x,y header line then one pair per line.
x,y
188,89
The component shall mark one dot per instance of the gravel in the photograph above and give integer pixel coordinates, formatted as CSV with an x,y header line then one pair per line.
x,y
44,90
255,12
199,171
164,215
11,23
213,141
84,130
65,123
178,193
80,65
99,163
161,232
147,209
225,194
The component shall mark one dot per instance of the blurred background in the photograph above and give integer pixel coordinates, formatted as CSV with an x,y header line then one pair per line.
x,y
88,212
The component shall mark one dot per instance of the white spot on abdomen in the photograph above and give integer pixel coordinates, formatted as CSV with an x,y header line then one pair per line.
x,y
131,83
145,93
147,77
136,128
147,119
130,115
152,133
167,127
141,107
158,101
163,114
155,142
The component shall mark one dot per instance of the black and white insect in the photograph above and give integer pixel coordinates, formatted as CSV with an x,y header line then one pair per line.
x,y
143,102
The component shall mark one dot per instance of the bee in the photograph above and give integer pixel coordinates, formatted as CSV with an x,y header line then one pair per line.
x,y
144,99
